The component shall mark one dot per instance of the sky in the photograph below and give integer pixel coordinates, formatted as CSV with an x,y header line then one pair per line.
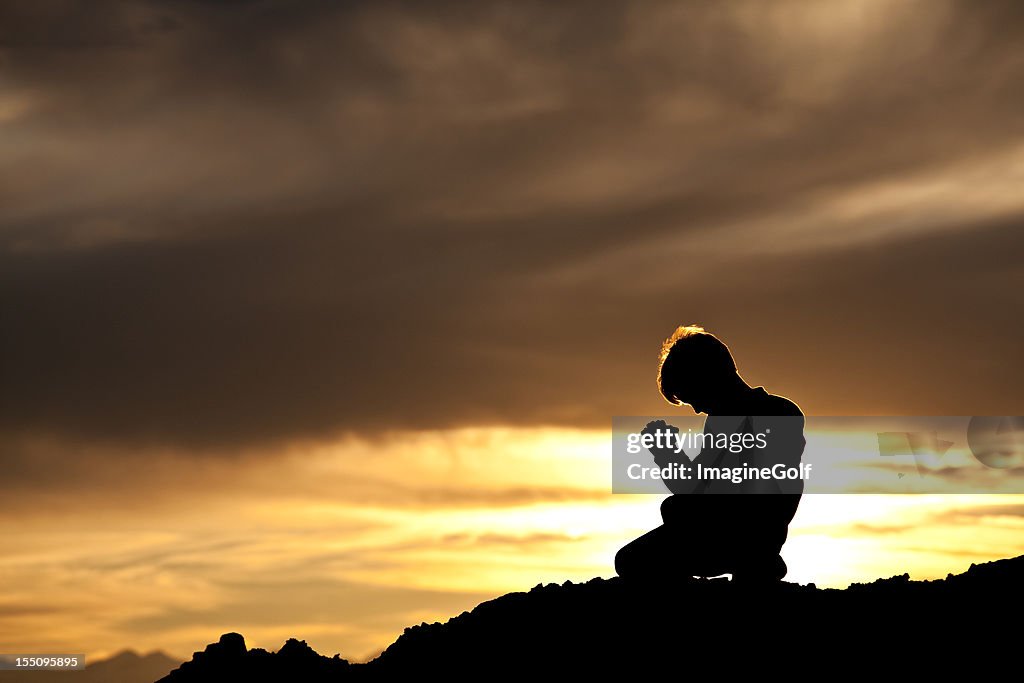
x,y
315,315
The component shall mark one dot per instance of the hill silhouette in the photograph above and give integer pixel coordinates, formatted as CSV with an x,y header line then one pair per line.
x,y
127,666
697,627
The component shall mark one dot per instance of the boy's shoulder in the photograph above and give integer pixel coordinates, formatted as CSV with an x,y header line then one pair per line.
x,y
775,406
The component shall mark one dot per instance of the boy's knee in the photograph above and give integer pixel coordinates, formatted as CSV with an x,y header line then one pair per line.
x,y
623,562
637,559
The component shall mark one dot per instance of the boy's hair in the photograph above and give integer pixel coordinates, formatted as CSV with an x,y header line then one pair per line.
x,y
691,350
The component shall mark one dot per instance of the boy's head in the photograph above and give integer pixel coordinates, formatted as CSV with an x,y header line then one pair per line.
x,y
695,368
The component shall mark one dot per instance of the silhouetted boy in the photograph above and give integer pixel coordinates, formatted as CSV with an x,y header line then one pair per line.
x,y
707,532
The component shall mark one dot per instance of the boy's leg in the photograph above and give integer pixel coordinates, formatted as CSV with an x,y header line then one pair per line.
x,y
671,552
765,528
757,558
647,557
765,569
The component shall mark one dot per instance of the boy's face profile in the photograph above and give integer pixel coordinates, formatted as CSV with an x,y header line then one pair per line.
x,y
695,388
698,402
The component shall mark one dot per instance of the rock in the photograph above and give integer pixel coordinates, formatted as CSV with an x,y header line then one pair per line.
x,y
703,628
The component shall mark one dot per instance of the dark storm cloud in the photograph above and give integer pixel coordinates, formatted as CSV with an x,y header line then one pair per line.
x,y
238,222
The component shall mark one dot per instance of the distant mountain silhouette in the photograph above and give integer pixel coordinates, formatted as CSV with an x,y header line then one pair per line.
x,y
124,667
229,660
706,627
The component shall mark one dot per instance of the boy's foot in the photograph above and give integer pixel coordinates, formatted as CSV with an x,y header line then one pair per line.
x,y
761,572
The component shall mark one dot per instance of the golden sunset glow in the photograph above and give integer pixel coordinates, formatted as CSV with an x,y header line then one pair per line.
x,y
349,542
